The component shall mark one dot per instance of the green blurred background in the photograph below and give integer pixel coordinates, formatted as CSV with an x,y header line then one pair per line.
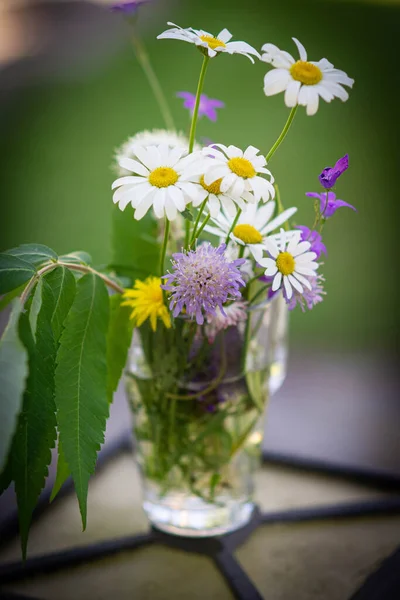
x,y
58,136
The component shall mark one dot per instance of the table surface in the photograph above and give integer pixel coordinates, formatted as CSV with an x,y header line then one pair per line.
x,y
322,559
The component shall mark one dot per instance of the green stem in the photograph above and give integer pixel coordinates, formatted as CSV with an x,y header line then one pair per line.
x,y
241,252
280,205
81,268
259,293
283,133
200,85
144,61
236,219
200,230
164,247
198,220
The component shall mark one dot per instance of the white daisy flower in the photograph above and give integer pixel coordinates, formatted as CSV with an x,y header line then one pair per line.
x,y
161,179
155,137
207,43
303,81
239,172
253,227
216,198
288,265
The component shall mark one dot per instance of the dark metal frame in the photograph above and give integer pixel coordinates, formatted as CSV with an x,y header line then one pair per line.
x,y
384,584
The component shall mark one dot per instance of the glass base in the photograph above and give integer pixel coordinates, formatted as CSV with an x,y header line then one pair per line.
x,y
189,516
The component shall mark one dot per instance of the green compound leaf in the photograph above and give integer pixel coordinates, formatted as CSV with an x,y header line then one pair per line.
x,y
81,383
119,339
13,374
35,254
62,473
13,272
36,432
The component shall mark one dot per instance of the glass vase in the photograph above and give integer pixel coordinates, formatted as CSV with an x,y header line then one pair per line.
x,y
199,418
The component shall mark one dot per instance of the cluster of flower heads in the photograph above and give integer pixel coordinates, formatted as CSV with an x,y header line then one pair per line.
x,y
233,192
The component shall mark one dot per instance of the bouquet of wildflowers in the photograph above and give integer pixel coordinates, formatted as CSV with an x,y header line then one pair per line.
x,y
227,253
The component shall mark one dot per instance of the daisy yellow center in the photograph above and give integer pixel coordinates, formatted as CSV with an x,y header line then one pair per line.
x,y
247,233
163,177
306,72
285,263
241,167
212,42
213,188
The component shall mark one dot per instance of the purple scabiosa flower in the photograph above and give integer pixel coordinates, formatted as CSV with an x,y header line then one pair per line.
x,y
309,298
202,280
330,175
207,106
129,7
234,314
328,203
314,238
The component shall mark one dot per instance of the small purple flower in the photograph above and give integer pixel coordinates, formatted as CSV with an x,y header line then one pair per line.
x,y
129,7
309,298
328,203
314,238
330,175
207,105
203,280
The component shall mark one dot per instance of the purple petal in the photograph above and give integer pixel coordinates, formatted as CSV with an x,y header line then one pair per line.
x,y
330,175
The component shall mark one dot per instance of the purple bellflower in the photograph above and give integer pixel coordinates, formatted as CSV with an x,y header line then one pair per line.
x,y
314,238
207,106
330,175
129,7
328,203
203,280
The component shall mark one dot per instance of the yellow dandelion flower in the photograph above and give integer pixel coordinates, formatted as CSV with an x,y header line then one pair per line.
x,y
146,299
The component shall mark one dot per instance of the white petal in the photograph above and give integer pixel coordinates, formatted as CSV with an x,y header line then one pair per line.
x,y
144,206
133,165
275,81
303,280
297,286
224,36
216,173
288,287
170,208
277,281
238,188
301,49
271,247
292,92
228,205
159,203
306,257
213,205
300,248
280,220
126,180
269,265
228,181
304,270
177,197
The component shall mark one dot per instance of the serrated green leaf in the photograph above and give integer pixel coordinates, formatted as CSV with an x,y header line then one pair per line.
x,y
77,258
62,473
119,339
13,272
35,307
62,283
36,432
7,298
81,382
186,214
13,374
35,254
135,251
